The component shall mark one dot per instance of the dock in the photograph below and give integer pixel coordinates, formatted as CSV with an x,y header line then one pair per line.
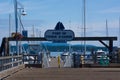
x,y
66,73
54,73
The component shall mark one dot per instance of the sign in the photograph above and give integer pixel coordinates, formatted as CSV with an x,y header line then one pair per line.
x,y
59,35
25,33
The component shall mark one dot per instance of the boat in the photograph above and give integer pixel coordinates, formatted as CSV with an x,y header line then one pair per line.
x,y
100,54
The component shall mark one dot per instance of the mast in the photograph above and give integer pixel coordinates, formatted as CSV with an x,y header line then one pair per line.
x,y
84,19
9,25
33,31
119,31
107,33
107,28
69,42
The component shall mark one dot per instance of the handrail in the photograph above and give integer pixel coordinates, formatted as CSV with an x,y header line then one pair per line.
x,y
9,62
7,57
32,59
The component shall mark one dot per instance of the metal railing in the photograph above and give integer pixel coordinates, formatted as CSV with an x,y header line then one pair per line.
x,y
31,59
9,62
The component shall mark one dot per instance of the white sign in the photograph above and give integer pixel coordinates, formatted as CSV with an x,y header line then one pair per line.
x,y
59,35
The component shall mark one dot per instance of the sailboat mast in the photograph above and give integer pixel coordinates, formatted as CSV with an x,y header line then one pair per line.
x,y
107,28
33,31
119,31
107,33
84,19
9,25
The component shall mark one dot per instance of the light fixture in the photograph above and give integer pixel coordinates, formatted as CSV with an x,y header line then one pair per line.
x,y
23,13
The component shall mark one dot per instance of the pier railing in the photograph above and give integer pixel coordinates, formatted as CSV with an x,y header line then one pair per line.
x,y
32,60
10,61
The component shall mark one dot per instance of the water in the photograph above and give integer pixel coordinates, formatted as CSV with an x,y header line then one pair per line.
x,y
56,53
59,53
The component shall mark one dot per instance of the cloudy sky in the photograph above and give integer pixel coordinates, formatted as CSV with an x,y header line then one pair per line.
x,y
44,14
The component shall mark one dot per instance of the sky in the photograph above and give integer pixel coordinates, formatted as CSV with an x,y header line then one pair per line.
x,y
44,15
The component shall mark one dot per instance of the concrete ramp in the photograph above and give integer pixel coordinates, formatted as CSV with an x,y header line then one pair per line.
x,y
54,62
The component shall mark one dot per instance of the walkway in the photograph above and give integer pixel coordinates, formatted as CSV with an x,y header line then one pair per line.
x,y
66,74
54,62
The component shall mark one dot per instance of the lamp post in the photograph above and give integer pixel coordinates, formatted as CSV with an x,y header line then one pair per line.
x,y
16,20
16,23
21,13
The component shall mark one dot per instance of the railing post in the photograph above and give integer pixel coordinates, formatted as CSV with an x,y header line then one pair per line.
x,y
23,58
